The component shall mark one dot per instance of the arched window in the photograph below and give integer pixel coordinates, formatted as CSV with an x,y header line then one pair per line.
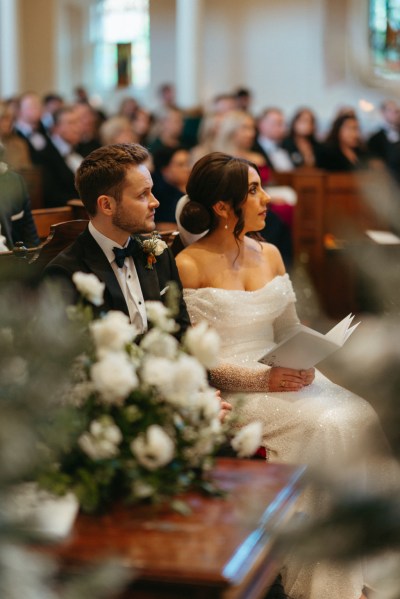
x,y
384,35
120,32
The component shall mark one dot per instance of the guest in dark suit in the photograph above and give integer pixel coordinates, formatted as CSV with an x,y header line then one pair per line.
x,y
116,189
16,221
60,159
28,125
385,143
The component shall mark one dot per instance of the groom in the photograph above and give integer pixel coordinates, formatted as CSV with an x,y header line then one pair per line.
x,y
116,189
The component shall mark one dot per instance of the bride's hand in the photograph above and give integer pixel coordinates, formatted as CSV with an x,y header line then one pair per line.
x,y
288,379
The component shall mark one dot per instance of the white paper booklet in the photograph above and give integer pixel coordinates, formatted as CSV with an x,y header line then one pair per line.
x,y
306,347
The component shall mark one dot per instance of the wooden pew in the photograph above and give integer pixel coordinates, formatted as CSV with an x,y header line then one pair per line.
x,y
33,178
61,235
45,217
333,212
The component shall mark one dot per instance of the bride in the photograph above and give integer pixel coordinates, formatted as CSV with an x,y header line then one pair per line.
x,y
239,286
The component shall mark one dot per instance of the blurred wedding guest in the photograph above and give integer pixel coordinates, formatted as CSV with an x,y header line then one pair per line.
x,y
142,124
89,120
50,104
117,130
80,94
128,108
166,96
28,124
222,103
236,135
243,97
171,172
271,133
206,136
169,131
60,159
15,149
301,143
384,144
16,221
343,149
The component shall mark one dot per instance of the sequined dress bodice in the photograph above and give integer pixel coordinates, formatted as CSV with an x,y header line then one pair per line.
x,y
244,319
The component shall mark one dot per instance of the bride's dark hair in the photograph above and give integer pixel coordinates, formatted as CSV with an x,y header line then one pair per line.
x,y
215,177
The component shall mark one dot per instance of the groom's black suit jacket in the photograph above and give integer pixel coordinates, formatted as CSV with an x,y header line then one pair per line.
x,y
86,255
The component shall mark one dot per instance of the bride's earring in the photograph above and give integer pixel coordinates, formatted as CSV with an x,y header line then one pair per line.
x,y
226,226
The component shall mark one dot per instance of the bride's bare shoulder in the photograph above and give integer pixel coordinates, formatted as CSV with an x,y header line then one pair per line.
x,y
188,265
273,256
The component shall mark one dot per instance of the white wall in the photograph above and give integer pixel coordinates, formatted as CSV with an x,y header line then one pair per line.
x,y
288,52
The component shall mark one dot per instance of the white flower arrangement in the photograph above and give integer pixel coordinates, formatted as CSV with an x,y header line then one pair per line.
x,y
144,421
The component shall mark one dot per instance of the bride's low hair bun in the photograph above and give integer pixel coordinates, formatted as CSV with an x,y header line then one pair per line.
x,y
195,218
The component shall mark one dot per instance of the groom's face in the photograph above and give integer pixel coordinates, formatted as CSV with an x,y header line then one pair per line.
x,y
135,211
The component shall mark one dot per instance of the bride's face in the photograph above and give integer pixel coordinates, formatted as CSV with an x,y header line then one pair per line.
x,y
255,205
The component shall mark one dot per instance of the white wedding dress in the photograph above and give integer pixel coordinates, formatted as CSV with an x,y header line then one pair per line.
x,y
323,425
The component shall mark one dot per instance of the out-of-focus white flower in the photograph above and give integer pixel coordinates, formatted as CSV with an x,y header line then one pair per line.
x,y
112,332
14,371
25,573
203,343
159,316
114,377
178,381
248,440
141,490
154,448
89,286
102,440
160,344
208,403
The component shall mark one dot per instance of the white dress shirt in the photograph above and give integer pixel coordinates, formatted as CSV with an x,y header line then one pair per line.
x,y
127,278
72,159
278,156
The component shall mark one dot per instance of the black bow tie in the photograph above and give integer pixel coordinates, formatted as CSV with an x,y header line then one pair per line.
x,y
122,253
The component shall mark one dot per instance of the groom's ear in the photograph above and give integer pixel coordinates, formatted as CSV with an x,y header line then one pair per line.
x,y
105,204
221,209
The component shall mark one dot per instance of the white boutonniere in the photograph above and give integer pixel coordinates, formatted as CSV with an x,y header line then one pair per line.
x,y
152,247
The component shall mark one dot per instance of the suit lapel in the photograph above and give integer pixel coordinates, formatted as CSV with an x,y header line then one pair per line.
x,y
97,262
148,278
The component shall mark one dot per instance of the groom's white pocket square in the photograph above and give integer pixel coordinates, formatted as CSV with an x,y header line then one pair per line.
x,y
164,291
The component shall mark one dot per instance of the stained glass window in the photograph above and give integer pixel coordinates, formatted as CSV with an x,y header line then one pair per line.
x,y
120,32
384,32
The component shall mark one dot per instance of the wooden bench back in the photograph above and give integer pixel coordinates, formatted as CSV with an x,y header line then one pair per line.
x,y
45,217
61,236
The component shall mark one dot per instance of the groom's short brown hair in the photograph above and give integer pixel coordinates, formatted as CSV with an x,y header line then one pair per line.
x,y
103,171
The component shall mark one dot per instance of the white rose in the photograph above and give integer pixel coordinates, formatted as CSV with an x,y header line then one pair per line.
x,y
113,331
248,440
157,371
154,449
188,377
208,403
89,286
203,343
177,381
160,247
114,377
161,344
102,440
159,316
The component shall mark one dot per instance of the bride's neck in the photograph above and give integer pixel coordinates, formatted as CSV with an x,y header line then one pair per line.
x,y
224,241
